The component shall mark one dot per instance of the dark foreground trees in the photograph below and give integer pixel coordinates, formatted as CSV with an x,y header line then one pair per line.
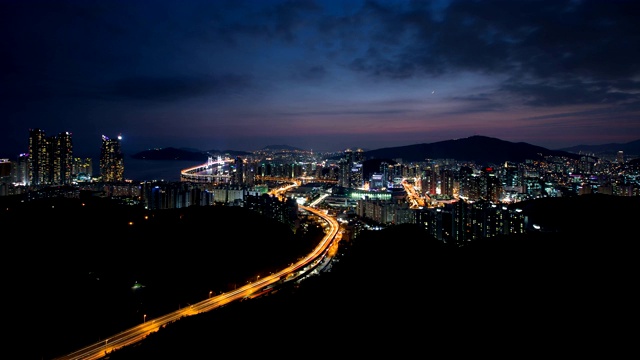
x,y
398,293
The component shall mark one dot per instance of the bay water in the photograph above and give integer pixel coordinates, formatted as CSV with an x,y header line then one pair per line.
x,y
148,170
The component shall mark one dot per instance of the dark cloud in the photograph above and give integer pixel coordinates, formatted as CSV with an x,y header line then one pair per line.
x,y
289,17
235,21
572,91
530,41
596,39
621,114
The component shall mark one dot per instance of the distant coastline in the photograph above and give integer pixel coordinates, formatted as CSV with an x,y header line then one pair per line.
x,y
166,163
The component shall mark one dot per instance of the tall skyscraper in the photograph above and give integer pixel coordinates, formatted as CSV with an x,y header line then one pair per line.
x,y
346,162
351,172
61,159
238,172
22,169
50,158
111,160
38,157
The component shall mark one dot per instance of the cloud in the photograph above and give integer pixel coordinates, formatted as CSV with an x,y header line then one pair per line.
x,y
571,92
531,42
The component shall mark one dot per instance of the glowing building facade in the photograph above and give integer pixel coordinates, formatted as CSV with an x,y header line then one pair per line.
x,y
111,160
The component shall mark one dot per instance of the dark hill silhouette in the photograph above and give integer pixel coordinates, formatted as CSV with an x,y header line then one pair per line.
x,y
84,255
631,148
281,147
397,291
479,149
586,214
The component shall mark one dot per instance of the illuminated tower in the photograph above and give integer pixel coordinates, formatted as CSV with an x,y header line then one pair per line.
x,y
111,160
238,171
61,152
22,169
346,163
38,157
351,172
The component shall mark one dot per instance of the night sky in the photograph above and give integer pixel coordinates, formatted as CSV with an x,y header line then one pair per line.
x,y
319,75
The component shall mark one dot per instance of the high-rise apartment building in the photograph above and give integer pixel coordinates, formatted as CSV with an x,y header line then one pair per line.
x,y
238,171
50,158
351,172
346,162
38,157
21,169
111,160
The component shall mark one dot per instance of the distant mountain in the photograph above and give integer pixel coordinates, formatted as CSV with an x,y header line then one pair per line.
x,y
189,154
228,152
171,153
630,148
480,149
281,147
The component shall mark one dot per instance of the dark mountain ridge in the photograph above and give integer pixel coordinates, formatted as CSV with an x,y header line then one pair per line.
x,y
281,147
478,149
631,148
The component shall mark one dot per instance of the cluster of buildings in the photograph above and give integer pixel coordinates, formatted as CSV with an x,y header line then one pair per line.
x,y
50,162
459,202
453,201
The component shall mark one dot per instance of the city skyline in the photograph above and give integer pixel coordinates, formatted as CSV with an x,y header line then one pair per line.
x,y
322,76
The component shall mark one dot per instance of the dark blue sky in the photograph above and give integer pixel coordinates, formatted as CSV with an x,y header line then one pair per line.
x,y
319,75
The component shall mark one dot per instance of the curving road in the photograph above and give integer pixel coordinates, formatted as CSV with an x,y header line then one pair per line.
x,y
257,288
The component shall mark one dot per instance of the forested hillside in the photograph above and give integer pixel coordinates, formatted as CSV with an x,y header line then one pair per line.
x,y
400,293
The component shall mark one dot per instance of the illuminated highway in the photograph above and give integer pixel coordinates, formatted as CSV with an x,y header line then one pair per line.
x,y
415,200
326,248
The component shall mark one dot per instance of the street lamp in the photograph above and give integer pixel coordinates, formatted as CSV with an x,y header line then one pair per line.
x,y
210,292
144,318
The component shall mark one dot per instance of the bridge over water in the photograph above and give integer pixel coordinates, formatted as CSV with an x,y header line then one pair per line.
x,y
219,171
213,171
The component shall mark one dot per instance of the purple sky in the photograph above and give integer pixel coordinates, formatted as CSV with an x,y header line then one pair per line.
x,y
319,75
